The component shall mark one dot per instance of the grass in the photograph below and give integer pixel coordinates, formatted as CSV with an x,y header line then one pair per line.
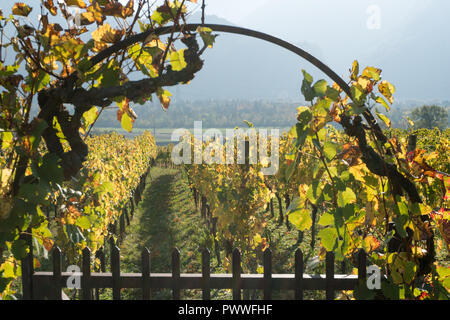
x,y
165,219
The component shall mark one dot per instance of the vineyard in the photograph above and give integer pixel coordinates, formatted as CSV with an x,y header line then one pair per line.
x,y
345,181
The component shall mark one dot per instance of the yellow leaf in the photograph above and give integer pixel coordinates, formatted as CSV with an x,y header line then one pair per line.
x,y
128,10
51,7
164,98
21,9
126,122
364,82
76,3
106,34
370,243
387,90
87,18
177,60
372,73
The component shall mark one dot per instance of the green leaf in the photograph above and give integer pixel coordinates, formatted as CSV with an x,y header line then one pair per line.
x,y
207,37
36,134
307,77
326,219
314,191
320,88
333,94
330,150
410,271
8,70
19,249
35,193
51,170
83,222
400,224
42,80
328,237
298,216
161,17
307,91
346,197
110,77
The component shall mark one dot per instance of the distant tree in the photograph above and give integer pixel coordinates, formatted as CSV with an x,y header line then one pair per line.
x,y
430,117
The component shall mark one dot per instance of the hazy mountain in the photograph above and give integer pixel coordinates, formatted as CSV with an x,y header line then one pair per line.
x,y
411,45
243,67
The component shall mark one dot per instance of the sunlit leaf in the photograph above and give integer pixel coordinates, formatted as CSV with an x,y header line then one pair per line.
x,y
126,122
177,60
76,3
384,118
21,9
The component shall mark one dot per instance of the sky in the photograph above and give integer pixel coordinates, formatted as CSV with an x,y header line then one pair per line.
x,y
233,10
408,39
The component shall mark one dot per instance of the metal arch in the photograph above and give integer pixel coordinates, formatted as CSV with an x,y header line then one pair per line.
x,y
229,29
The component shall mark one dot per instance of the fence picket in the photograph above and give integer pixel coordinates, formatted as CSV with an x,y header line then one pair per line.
x,y
57,273
299,267
206,274
236,270
267,274
329,266
115,270
362,271
176,274
100,255
146,267
86,269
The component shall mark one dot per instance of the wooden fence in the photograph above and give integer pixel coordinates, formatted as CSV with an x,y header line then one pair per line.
x,y
48,285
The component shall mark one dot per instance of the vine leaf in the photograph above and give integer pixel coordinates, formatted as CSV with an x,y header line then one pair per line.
x,y
387,90
21,9
177,60
207,36
384,118
328,237
126,122
106,34
76,3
